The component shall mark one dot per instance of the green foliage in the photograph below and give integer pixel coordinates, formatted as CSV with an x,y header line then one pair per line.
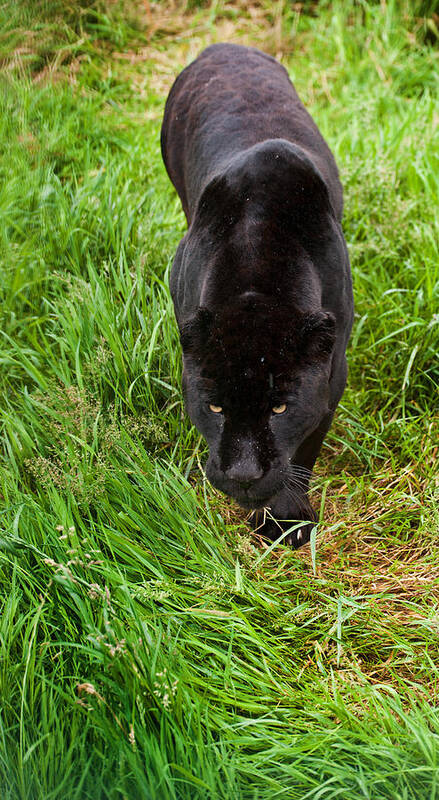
x,y
150,646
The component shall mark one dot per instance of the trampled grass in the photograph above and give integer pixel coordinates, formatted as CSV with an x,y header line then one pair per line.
x,y
151,647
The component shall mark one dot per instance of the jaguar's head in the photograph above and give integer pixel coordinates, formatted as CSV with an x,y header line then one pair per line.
x,y
256,384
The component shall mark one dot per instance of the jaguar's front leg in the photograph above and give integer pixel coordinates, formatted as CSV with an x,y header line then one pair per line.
x,y
285,510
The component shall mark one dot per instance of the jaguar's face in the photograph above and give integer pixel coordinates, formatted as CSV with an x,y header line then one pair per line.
x,y
255,388
252,438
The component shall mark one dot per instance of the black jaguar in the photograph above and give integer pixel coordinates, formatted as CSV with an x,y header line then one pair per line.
x,y
261,281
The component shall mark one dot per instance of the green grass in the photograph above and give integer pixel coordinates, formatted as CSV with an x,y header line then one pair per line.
x,y
150,645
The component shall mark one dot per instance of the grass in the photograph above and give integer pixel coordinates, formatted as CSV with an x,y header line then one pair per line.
x,y
151,646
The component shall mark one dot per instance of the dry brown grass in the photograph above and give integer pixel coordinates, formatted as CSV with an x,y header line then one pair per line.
x,y
168,35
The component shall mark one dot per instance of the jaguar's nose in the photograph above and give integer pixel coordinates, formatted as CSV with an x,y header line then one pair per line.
x,y
244,475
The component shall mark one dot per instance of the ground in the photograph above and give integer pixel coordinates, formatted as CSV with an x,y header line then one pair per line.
x,y
151,645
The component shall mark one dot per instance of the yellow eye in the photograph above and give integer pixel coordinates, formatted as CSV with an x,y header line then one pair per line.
x,y
279,409
215,409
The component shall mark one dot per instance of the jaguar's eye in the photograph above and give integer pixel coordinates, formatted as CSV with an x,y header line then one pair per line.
x,y
215,409
279,409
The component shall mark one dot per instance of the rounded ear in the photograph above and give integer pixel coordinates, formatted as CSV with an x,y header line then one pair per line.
x,y
195,331
318,335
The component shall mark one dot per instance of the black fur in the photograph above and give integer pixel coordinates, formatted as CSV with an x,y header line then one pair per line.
x,y
261,281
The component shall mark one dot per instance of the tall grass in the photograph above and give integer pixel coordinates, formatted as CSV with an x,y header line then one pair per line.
x,y
151,646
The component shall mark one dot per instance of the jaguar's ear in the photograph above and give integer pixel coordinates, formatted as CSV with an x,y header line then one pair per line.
x,y
195,331
318,335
